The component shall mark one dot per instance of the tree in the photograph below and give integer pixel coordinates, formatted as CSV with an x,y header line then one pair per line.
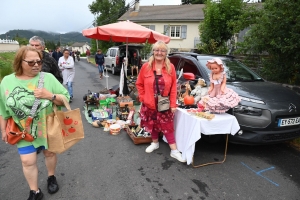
x,y
276,31
108,11
50,45
21,40
183,2
215,28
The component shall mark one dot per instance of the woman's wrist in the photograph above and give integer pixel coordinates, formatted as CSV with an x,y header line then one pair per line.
x,y
51,97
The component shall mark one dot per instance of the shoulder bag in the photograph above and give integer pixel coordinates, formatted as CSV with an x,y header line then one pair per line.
x,y
163,103
14,134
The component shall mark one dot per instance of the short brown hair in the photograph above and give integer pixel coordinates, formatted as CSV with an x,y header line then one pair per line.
x,y
21,53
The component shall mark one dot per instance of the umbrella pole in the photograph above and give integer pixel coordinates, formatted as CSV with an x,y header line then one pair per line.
x,y
126,64
106,76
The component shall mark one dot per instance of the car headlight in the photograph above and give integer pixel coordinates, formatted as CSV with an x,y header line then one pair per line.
x,y
247,110
252,100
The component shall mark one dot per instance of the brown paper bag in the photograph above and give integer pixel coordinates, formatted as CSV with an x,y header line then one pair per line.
x,y
64,129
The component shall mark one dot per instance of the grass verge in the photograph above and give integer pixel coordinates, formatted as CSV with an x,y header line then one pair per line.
x,y
6,63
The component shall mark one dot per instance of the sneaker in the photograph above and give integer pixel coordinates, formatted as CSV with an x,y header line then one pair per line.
x,y
35,196
52,184
152,147
177,155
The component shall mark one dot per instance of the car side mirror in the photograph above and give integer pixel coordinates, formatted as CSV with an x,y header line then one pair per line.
x,y
188,76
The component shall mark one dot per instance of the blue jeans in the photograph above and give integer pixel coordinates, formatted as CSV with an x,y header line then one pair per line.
x,y
70,89
100,68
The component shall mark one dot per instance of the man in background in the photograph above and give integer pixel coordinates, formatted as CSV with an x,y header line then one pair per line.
x,y
57,54
99,60
49,63
88,53
135,64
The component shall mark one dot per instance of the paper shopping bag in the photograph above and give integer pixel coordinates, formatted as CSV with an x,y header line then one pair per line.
x,y
64,128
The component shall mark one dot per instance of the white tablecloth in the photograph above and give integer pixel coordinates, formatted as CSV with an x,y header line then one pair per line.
x,y
188,130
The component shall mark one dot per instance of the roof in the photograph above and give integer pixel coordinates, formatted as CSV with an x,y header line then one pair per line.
x,y
165,13
78,44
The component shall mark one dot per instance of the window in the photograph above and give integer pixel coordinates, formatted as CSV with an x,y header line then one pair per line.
x,y
112,53
189,67
176,31
175,61
152,27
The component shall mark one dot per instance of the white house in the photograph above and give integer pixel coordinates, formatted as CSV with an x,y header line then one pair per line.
x,y
9,45
180,22
80,46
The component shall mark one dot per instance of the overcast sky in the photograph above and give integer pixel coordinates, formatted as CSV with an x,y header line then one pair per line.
x,y
55,15
59,16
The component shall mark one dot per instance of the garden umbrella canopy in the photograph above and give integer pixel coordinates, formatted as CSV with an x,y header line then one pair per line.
x,y
125,31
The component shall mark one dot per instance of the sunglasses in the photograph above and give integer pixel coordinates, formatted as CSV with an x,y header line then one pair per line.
x,y
32,63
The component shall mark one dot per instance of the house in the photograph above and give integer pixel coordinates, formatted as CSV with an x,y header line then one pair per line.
x,y
180,22
80,46
9,45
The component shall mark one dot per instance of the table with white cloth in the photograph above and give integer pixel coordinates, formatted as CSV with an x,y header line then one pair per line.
x,y
188,129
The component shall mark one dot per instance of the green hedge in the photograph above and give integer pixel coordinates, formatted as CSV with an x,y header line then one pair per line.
x,y
6,63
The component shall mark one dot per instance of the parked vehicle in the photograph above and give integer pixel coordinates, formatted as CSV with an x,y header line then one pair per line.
x,y
114,57
268,112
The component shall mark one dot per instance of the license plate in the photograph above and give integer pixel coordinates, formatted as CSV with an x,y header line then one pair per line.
x,y
289,121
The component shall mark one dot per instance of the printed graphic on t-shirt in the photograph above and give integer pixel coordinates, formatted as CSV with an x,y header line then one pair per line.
x,y
20,101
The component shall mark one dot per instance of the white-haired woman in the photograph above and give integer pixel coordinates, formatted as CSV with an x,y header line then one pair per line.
x,y
158,67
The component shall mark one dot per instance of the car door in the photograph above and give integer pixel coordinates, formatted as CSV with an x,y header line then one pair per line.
x,y
175,60
110,58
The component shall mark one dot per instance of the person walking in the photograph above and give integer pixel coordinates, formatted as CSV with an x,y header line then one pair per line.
x,y
66,64
18,92
49,63
99,60
57,54
74,55
88,54
158,68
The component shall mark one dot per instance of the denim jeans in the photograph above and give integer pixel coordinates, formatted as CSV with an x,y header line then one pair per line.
x,y
100,68
70,89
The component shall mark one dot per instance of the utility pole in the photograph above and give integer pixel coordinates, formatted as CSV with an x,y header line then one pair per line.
x,y
95,25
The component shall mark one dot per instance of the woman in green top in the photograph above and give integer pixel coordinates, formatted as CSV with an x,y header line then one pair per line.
x,y
17,94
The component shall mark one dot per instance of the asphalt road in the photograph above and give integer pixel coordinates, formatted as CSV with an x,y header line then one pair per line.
x,y
109,167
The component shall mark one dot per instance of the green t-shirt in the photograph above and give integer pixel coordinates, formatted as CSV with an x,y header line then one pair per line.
x,y
16,100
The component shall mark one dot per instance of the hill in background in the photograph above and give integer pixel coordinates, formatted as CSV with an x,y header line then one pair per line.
x,y
66,38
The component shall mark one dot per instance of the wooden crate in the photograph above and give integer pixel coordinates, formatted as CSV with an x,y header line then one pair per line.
x,y
137,140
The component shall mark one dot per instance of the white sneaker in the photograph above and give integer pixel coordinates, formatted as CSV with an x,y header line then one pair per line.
x,y
152,147
177,155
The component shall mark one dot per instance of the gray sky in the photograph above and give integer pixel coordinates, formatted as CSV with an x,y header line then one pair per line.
x,y
55,15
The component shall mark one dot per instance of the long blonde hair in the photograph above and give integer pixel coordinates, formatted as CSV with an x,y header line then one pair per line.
x,y
160,45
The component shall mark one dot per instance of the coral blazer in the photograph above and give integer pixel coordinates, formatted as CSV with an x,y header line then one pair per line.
x,y
144,85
